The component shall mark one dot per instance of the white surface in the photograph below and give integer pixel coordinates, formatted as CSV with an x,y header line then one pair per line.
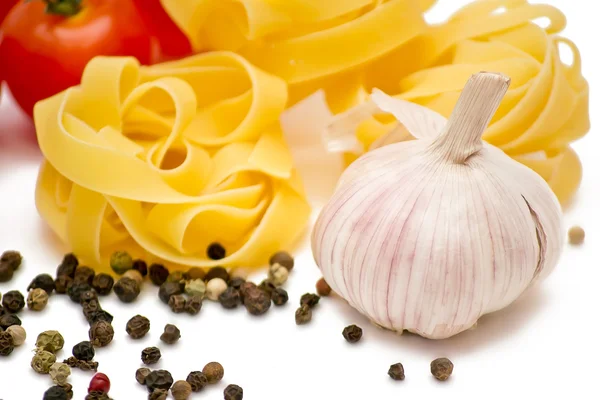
x,y
544,345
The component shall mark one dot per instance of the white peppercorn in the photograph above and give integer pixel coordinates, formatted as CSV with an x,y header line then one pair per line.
x,y
278,274
59,373
18,333
214,288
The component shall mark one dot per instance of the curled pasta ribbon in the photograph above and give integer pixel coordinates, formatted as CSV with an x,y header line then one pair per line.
x,y
545,109
161,161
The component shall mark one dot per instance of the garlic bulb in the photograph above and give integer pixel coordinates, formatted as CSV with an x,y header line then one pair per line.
x,y
428,235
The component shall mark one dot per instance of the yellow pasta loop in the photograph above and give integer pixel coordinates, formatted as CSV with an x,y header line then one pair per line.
x,y
161,161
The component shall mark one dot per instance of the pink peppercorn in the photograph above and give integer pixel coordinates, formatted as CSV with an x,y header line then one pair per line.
x,y
99,383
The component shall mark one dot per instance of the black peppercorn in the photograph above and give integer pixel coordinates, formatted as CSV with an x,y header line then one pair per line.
x,y
138,326
303,315
245,287
69,389
168,289
150,355
141,374
89,308
257,301
100,315
12,258
279,297
217,272
214,372
230,298
68,266
441,368
84,351
8,320
141,267
84,274
55,393
310,299
159,379
352,333
75,289
396,372
127,289
216,252
282,258
233,392
171,334
236,282
158,274
42,281
193,305
197,380
13,301
61,283
6,272
7,343
101,333
267,286
88,295
103,284
177,303
81,364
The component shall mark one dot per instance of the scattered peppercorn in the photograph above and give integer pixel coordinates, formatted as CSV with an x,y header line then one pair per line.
x,y
215,251
97,395
6,272
89,308
59,373
195,287
141,267
576,235
68,266
171,334
51,341
75,289
282,258
158,274
310,299
37,299
84,274
217,272
84,351
168,289
150,355
352,333
12,258
214,288
197,380
193,305
138,326
103,284
303,315
135,275
267,286
7,343
175,276
42,361
177,303
158,394
127,289
13,301
245,287
278,274
236,283
55,393
396,372
233,392
99,383
69,389
8,320
257,301
181,390
141,374
441,368
61,283
323,288
42,281
279,297
195,273
213,371
100,315
101,333
120,262
159,379
18,333
230,298
81,364
88,295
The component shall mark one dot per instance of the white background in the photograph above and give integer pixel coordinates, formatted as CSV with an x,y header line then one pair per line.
x,y
546,344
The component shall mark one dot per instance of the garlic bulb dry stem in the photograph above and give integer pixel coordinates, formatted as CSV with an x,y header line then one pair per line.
x,y
428,235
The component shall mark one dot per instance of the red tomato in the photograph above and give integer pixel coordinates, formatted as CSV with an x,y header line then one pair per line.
x,y
5,6
171,40
44,51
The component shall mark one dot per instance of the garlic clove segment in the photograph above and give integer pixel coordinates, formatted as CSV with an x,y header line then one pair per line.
x,y
428,235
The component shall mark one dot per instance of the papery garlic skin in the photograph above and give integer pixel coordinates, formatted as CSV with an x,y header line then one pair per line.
x,y
427,235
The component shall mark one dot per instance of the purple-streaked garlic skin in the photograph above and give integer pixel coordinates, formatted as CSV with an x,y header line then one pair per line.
x,y
417,241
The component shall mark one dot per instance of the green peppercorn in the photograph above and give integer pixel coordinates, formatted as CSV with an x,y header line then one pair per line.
x,y
101,333
197,380
171,334
213,371
279,297
138,326
61,283
51,341
193,305
233,392
12,258
68,266
37,299
282,258
352,333
120,262
59,372
42,361
158,274
103,284
13,301
442,368
150,355
127,289
168,289
141,374
18,333
181,390
195,287
42,281
7,343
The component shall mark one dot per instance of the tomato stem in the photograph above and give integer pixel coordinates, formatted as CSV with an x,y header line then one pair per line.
x,y
65,8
